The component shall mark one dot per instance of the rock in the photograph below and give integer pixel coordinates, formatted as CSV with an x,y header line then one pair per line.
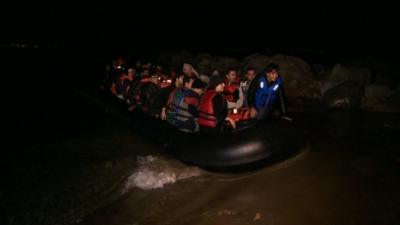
x,y
321,72
300,82
293,68
341,74
225,63
226,212
167,58
257,61
109,165
383,72
394,100
205,63
186,57
376,95
345,95
176,60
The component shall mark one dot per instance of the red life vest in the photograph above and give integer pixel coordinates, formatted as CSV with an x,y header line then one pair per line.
x,y
230,89
206,110
239,114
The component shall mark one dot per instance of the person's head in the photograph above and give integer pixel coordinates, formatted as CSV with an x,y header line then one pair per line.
x,y
187,82
250,73
138,64
272,72
155,79
231,75
187,69
118,62
179,80
215,72
172,73
146,66
164,76
217,83
131,72
122,73
198,86
145,73
220,87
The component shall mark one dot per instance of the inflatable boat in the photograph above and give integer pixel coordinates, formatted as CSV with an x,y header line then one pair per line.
x,y
250,144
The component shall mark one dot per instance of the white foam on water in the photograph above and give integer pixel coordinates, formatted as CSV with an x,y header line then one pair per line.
x,y
157,171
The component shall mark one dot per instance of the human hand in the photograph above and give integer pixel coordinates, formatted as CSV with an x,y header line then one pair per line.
x,y
287,118
253,112
163,114
231,121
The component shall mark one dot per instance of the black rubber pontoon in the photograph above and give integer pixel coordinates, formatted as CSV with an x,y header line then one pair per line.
x,y
251,144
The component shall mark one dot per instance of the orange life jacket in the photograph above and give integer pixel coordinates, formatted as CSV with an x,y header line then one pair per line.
x,y
206,110
230,89
239,114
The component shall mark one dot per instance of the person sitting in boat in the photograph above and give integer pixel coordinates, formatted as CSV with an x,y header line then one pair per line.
x,y
244,85
189,71
119,86
213,108
129,83
232,91
145,93
183,105
113,72
160,105
198,86
266,95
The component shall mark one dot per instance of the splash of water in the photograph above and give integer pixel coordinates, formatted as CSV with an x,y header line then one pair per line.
x,y
157,171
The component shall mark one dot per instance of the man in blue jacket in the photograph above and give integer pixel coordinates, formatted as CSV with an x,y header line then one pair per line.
x,y
266,94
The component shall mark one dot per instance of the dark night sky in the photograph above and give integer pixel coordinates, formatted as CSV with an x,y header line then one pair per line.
x,y
203,25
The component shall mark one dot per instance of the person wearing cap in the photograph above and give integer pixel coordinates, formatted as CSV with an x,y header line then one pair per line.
x,y
213,108
266,94
183,105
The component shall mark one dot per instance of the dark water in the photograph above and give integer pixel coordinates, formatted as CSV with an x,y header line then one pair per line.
x,y
64,161
349,175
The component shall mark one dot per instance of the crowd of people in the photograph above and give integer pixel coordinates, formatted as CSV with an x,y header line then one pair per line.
x,y
195,102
